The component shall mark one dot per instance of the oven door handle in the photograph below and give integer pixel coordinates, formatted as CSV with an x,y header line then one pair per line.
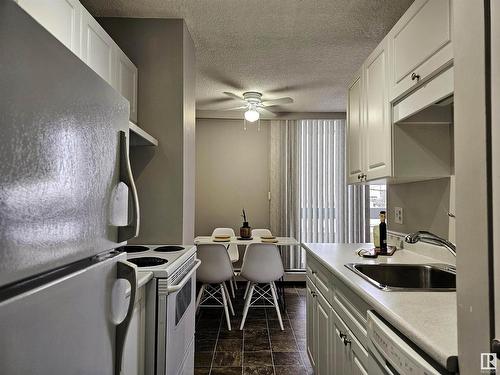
x,y
175,288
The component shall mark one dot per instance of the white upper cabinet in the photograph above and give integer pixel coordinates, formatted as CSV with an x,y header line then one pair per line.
x,y
377,111
354,130
420,44
126,82
414,58
98,49
61,18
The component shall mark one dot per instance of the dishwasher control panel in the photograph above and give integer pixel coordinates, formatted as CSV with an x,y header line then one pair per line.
x,y
393,352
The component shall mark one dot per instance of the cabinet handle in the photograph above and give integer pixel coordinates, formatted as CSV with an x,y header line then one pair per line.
x,y
415,76
342,336
346,341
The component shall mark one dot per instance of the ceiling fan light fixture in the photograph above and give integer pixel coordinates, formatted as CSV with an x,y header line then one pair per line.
x,y
251,115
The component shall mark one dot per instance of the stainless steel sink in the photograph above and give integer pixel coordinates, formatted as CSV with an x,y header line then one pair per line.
x,y
407,277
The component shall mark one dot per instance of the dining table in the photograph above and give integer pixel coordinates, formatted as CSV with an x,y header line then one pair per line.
x,y
279,241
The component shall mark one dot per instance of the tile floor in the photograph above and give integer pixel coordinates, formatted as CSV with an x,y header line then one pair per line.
x,y
261,348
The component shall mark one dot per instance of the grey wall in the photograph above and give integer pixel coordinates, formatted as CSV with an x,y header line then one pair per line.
x,y
232,172
425,206
189,113
160,49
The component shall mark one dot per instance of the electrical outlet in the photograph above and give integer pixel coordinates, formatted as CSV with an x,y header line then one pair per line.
x,y
398,215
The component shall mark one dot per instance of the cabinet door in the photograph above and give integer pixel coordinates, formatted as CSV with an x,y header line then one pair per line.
x,y
323,336
98,49
357,366
133,356
310,322
60,17
377,129
126,82
354,131
420,43
340,359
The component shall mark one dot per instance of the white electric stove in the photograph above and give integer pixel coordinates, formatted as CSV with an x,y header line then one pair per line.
x,y
162,260
170,306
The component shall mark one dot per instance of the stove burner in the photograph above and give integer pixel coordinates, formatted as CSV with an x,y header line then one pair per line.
x,y
134,248
168,249
147,261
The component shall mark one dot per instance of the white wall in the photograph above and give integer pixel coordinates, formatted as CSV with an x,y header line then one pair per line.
x,y
425,206
232,172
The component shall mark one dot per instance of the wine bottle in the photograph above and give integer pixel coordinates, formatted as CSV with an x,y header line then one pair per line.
x,y
383,233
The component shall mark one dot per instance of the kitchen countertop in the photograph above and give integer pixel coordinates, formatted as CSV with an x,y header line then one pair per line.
x,y
428,319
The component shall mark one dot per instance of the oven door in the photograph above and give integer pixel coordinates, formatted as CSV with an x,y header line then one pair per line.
x,y
176,323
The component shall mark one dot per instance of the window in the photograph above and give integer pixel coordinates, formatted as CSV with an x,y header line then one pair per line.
x,y
378,202
311,200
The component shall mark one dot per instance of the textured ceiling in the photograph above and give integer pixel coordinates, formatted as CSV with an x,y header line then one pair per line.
x,y
306,49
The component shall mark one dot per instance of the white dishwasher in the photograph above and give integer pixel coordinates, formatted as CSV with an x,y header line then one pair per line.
x,y
392,353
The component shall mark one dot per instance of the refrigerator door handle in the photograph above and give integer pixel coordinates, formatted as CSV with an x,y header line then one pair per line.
x,y
132,229
127,272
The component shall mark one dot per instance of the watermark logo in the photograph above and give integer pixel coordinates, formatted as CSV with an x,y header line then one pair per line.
x,y
488,361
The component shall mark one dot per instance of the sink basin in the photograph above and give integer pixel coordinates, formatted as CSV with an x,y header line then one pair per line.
x,y
407,277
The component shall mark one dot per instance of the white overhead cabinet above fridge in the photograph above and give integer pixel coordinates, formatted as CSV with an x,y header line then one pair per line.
x,y
75,27
65,183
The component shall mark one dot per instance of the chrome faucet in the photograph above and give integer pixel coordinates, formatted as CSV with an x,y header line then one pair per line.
x,y
431,238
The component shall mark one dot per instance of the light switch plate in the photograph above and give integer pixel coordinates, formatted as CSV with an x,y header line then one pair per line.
x,y
398,215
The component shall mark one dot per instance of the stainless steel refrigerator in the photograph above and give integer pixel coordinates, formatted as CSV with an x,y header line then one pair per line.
x,y
65,193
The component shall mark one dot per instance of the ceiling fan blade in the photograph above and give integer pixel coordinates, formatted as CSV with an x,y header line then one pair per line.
x,y
235,108
279,101
266,112
234,96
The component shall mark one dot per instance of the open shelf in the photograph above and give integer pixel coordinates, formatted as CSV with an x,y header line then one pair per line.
x,y
139,137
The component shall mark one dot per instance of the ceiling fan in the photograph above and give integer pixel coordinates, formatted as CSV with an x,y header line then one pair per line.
x,y
253,103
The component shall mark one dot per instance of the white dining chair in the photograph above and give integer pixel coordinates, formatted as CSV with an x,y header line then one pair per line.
x,y
256,233
233,252
214,271
261,232
262,265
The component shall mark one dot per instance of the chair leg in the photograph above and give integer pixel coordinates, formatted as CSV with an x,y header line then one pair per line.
x,y
228,298
235,283
198,299
232,288
275,300
224,301
246,290
247,304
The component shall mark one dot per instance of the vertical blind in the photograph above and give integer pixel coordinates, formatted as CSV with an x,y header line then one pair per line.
x,y
310,199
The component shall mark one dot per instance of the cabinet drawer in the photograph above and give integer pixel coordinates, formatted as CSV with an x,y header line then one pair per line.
x,y
321,277
351,316
420,44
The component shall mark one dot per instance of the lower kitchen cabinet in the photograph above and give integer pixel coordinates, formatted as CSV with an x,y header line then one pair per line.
x,y
134,350
319,331
323,325
310,320
332,346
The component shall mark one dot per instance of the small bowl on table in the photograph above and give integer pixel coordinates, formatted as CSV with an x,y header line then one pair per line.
x,y
221,238
269,239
